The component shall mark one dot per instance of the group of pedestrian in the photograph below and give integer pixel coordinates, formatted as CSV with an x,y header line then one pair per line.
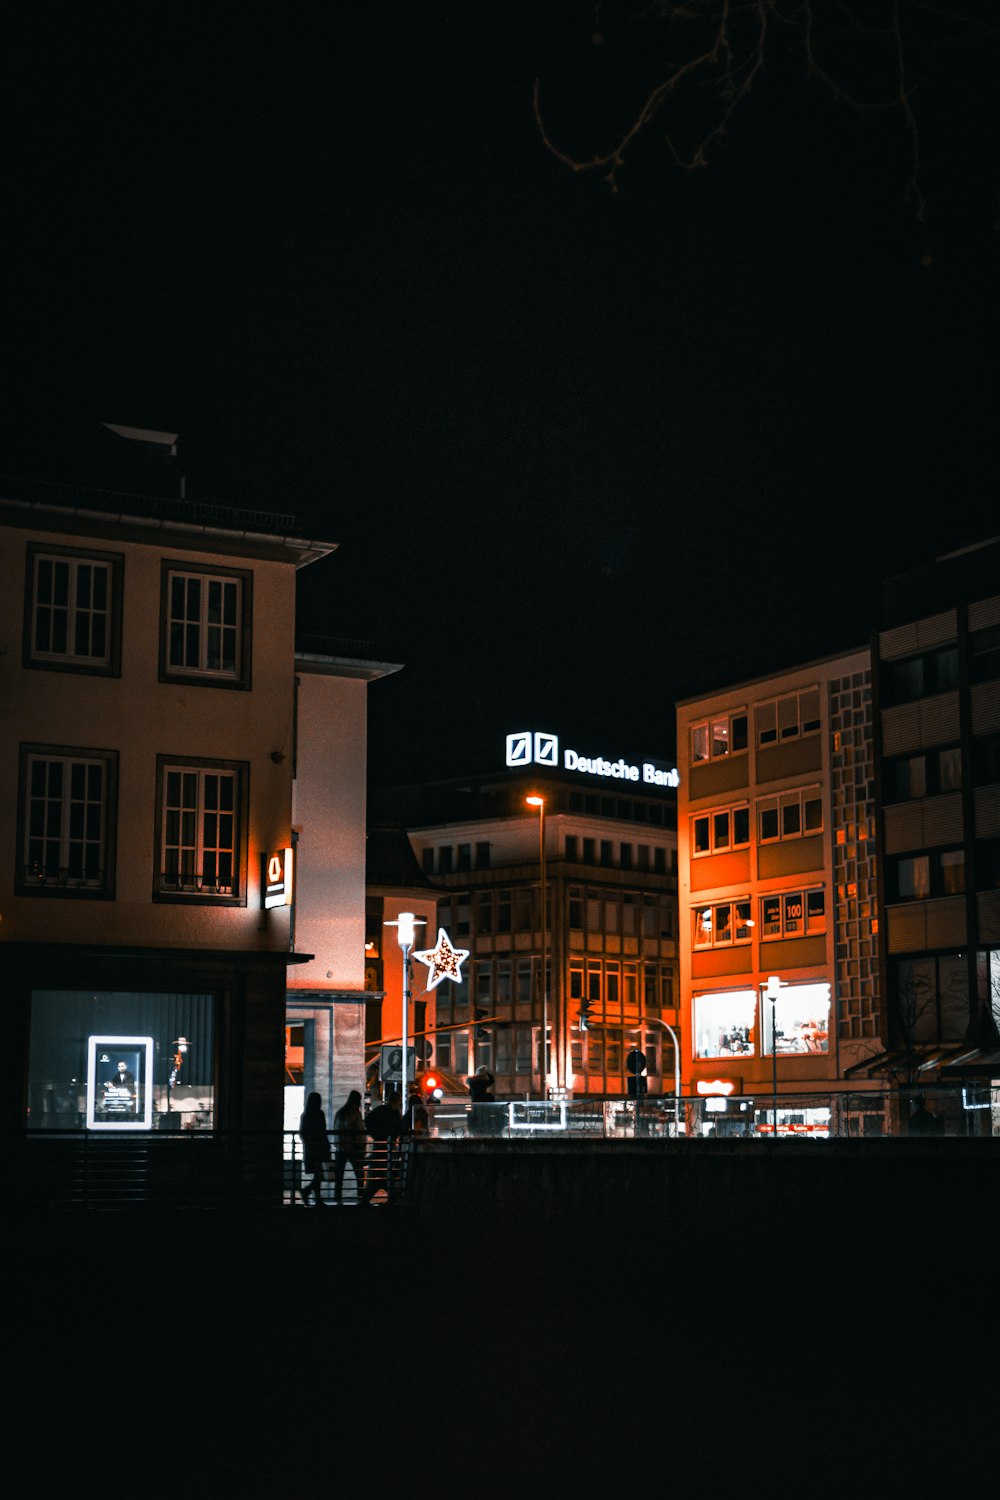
x,y
352,1131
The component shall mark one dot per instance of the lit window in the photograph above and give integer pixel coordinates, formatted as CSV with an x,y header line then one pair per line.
x,y
793,914
725,1024
201,821
720,736
721,924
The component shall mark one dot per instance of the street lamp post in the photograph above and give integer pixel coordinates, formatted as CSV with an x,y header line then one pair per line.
x,y
770,992
537,801
405,924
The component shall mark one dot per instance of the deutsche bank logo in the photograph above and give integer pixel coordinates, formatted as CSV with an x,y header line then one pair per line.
x,y
525,747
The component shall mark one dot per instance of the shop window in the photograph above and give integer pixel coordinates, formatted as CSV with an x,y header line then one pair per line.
x,y
800,1019
66,811
205,626
80,1040
791,815
719,736
793,914
725,1024
73,610
201,818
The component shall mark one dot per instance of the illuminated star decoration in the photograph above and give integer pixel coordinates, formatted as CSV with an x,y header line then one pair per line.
x,y
444,961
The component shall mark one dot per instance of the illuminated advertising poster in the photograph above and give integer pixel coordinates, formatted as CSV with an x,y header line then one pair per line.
x,y
119,1083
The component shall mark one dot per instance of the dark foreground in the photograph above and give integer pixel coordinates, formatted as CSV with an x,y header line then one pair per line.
x,y
729,1322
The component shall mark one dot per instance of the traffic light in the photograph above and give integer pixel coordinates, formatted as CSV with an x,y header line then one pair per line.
x,y
482,1033
636,1086
584,1015
431,1084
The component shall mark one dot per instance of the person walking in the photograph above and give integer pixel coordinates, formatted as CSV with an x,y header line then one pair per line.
x,y
315,1147
350,1142
384,1124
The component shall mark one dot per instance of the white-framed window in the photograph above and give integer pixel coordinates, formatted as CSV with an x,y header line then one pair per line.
x,y
722,924
719,736
205,625
66,809
787,717
787,914
721,829
790,815
73,610
725,1024
202,815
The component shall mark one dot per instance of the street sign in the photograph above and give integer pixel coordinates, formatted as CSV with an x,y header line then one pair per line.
x,y
635,1061
390,1067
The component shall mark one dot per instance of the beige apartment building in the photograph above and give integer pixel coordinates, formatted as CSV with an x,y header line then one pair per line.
x,y
777,882
183,839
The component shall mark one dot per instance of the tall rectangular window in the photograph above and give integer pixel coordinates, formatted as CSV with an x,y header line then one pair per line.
x,y
66,808
73,610
201,821
205,626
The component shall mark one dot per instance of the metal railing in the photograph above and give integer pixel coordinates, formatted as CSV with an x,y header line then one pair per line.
x,y
960,1112
212,1169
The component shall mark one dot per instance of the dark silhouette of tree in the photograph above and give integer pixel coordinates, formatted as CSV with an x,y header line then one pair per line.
x,y
684,72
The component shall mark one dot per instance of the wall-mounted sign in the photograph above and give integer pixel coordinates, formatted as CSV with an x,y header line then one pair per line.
x,y
527,747
119,1083
277,880
709,1086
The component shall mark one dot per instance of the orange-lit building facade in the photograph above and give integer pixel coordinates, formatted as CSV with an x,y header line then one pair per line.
x,y
778,877
609,930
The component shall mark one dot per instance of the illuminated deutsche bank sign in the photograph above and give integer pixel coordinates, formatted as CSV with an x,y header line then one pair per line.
x,y
527,748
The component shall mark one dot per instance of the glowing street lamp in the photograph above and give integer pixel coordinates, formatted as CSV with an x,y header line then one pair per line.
x,y
405,924
769,991
537,801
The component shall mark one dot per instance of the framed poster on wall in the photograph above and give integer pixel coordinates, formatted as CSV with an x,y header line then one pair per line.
x,y
119,1083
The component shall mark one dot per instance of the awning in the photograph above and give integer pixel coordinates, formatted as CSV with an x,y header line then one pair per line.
x,y
981,1062
920,1062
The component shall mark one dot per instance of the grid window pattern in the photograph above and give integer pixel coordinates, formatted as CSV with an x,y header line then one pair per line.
x,y
201,814
855,913
66,808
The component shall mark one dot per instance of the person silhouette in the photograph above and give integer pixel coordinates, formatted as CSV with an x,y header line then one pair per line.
x,y
315,1147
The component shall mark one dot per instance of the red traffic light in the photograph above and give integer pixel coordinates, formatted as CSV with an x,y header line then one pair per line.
x,y
432,1085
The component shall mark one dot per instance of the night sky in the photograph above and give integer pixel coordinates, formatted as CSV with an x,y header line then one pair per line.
x,y
585,452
